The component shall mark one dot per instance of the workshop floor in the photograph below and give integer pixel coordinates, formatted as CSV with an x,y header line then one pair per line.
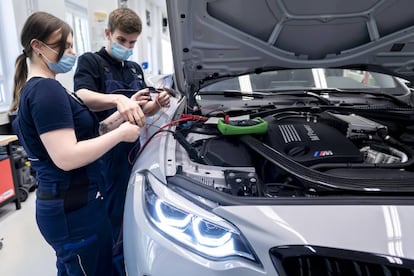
x,y
24,252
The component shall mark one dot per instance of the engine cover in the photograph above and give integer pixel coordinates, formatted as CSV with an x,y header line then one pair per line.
x,y
311,142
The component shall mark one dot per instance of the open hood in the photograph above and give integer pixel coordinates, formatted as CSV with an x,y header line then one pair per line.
x,y
216,38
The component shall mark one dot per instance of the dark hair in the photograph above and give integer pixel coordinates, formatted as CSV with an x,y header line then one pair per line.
x,y
125,20
40,26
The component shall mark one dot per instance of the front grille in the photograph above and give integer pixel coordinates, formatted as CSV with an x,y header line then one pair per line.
x,y
298,260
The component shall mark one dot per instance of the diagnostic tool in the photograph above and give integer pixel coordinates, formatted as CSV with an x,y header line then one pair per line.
x,y
170,91
239,127
155,90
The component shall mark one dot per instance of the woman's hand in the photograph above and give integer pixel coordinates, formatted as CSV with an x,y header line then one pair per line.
x,y
130,132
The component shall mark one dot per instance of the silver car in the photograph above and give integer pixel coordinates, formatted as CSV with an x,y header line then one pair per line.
x,y
288,148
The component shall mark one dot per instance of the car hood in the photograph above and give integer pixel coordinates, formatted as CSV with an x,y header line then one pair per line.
x,y
384,230
217,38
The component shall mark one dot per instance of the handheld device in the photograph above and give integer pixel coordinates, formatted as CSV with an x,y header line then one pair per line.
x,y
239,127
159,90
155,90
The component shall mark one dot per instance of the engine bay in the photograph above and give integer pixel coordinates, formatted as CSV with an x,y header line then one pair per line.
x,y
299,150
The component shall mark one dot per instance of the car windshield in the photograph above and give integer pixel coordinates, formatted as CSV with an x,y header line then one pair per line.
x,y
306,79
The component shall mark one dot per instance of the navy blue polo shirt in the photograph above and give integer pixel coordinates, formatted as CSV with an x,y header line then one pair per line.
x,y
101,73
90,72
44,106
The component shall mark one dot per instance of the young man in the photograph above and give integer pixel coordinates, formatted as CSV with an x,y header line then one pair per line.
x,y
108,71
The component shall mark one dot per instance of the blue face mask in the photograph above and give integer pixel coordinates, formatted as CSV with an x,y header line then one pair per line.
x,y
64,65
120,52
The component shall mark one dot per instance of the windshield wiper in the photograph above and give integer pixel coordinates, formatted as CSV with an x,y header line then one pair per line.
x,y
313,92
260,94
373,93
236,94
298,92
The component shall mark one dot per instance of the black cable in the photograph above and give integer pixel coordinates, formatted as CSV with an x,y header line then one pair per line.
x,y
141,149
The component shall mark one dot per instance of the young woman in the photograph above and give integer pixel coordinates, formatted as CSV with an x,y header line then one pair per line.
x,y
60,135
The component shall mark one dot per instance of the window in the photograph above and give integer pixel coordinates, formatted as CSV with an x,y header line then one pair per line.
x,y
9,50
2,94
167,59
148,17
77,18
150,53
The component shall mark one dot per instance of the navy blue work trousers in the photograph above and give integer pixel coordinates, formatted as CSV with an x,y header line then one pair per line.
x,y
82,238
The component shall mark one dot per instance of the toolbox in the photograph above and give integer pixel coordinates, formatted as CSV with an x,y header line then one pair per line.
x,y
7,187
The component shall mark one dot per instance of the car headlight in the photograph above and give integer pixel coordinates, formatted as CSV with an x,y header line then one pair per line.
x,y
207,235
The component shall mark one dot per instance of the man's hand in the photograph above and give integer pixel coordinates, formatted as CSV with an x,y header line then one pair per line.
x,y
163,99
142,96
130,110
170,91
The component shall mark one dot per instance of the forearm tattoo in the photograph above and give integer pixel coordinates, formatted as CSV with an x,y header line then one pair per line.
x,y
103,128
